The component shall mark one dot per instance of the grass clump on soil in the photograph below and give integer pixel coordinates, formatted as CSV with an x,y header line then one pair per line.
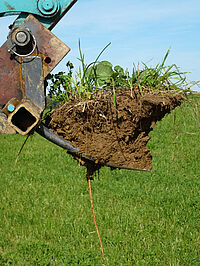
x,y
108,113
110,134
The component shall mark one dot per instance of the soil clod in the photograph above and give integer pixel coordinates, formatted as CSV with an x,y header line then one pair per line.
x,y
113,133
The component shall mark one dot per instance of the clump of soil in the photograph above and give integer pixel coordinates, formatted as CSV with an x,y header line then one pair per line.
x,y
113,134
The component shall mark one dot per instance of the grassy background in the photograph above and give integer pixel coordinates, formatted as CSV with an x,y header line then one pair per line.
x,y
144,218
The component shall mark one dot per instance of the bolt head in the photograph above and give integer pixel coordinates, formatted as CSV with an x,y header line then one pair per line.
x,y
48,7
21,37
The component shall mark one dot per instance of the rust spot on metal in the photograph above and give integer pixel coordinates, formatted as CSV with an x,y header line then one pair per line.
x,y
9,79
48,44
9,6
20,77
5,127
50,49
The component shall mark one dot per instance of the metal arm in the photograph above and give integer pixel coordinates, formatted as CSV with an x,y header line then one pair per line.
x,y
48,12
27,57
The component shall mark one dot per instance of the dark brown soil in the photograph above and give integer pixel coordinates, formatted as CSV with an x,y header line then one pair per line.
x,y
112,134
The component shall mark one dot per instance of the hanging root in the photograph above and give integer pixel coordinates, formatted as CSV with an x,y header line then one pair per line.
x,y
92,206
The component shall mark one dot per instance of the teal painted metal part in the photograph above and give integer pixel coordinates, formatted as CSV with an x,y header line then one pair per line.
x,y
48,12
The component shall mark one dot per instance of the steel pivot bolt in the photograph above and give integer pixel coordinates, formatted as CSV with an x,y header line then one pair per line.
x,y
48,7
21,37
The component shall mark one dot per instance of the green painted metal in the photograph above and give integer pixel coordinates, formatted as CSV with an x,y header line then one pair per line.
x,y
48,12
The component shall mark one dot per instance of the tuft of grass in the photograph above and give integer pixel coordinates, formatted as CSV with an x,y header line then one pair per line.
x,y
144,218
160,78
86,82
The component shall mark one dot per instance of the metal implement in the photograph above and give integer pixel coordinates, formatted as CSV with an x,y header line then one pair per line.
x,y
29,54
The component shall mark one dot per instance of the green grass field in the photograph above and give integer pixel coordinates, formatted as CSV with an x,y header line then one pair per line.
x,y
144,218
